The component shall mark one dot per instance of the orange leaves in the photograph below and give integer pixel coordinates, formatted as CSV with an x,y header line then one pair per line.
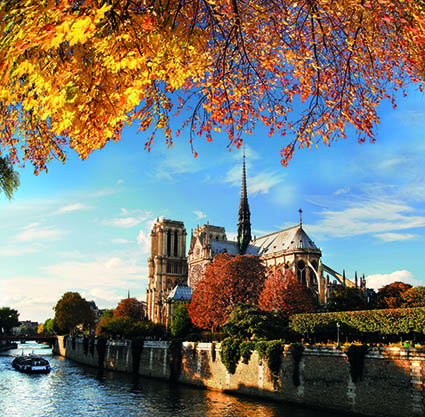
x,y
74,74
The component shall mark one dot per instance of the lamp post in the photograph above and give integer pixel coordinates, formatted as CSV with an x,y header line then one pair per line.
x,y
337,333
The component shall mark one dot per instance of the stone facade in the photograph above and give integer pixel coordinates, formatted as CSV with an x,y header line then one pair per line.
x,y
167,266
392,384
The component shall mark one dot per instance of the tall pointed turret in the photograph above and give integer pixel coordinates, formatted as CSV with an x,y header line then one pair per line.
x,y
244,223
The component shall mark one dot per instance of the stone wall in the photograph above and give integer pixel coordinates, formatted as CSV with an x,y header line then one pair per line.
x,y
391,386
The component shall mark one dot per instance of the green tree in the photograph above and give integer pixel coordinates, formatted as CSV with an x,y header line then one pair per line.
x,y
126,327
49,326
182,324
117,327
413,297
249,322
347,299
9,318
71,311
9,178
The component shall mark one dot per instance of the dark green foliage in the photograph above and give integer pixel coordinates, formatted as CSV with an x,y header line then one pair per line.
x,y
129,328
101,350
296,350
249,322
261,348
230,353
136,350
182,324
274,353
246,351
347,299
356,354
71,311
9,178
175,355
9,318
384,322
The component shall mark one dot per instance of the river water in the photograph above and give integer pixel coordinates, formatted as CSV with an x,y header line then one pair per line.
x,y
71,389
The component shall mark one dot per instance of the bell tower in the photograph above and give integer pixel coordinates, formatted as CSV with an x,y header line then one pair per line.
x,y
167,265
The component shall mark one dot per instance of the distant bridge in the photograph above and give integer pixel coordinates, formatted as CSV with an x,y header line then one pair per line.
x,y
39,338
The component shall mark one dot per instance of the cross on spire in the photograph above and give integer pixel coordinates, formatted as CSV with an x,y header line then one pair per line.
x,y
301,217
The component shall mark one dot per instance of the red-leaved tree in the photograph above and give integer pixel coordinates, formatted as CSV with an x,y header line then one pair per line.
x,y
130,307
284,293
390,296
228,280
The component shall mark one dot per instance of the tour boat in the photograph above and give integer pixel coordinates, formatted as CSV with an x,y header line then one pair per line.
x,y
31,364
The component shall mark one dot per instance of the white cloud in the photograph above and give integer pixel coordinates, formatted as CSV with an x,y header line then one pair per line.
x,y
144,241
34,232
72,207
20,250
174,163
377,217
261,183
377,281
395,237
128,218
113,263
341,191
121,241
199,214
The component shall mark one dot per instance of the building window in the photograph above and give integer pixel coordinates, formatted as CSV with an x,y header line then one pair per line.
x,y
175,243
168,242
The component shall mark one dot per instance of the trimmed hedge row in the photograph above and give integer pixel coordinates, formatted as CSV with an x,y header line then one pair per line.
x,y
387,322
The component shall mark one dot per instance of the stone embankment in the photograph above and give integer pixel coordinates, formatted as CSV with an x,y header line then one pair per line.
x,y
392,382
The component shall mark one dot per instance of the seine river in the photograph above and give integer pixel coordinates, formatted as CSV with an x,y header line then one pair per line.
x,y
74,390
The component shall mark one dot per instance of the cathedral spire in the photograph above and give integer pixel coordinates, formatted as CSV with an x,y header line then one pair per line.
x,y
244,224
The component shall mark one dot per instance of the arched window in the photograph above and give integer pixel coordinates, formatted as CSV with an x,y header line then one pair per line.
x,y
301,272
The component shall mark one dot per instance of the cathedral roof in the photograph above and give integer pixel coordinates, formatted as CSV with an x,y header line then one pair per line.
x,y
224,246
180,293
293,238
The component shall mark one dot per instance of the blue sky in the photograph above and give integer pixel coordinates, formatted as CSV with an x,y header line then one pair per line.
x,y
84,226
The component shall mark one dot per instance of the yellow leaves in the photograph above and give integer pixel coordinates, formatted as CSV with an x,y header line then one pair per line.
x,y
80,72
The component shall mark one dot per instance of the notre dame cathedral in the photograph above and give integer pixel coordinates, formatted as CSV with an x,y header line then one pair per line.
x,y
173,274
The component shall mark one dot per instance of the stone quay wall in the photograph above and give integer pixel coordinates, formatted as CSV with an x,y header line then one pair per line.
x,y
392,384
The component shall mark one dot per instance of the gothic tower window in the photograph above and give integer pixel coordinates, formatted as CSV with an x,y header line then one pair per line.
x,y
168,242
175,242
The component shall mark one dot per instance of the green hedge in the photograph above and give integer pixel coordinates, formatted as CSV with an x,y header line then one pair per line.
x,y
386,322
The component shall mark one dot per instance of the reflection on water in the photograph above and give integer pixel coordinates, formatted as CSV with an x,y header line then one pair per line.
x,y
74,390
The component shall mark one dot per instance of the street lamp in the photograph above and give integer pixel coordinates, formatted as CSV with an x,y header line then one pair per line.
x,y
337,332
